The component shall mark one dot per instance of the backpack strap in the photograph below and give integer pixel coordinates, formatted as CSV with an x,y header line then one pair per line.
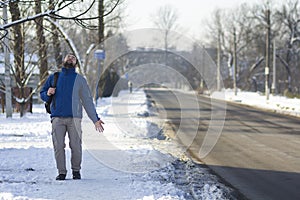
x,y
54,86
55,79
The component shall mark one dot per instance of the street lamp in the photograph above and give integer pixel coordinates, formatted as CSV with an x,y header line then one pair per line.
x,y
99,54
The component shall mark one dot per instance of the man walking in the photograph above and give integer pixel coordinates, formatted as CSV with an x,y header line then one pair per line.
x,y
70,94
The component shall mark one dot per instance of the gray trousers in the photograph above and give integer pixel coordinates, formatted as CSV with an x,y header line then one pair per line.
x,y
72,126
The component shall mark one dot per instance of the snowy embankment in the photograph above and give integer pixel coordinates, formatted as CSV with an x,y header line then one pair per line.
x,y
278,104
132,159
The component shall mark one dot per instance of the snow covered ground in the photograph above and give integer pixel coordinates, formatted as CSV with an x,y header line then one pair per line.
x,y
132,159
275,103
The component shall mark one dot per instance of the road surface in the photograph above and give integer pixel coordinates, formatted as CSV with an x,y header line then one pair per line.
x,y
258,152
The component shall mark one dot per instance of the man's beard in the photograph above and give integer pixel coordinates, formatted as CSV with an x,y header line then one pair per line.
x,y
68,65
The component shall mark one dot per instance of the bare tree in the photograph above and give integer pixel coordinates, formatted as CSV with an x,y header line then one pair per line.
x,y
166,19
40,11
245,44
289,32
230,31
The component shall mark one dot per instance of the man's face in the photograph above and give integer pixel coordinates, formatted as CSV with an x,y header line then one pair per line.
x,y
70,60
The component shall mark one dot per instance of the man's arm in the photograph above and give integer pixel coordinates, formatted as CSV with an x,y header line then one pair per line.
x,y
87,102
44,91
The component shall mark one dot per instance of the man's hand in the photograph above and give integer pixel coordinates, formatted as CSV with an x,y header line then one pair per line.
x,y
51,91
98,126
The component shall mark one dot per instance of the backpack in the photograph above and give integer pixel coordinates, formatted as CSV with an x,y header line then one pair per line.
x,y
48,103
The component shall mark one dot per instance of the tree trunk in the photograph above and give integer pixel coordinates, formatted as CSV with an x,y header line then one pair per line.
x,y
18,44
41,44
18,48
55,39
101,21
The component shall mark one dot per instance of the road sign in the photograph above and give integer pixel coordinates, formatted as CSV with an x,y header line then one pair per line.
x,y
99,54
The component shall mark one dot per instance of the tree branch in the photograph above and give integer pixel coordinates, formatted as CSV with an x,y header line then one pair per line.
x,y
52,14
6,26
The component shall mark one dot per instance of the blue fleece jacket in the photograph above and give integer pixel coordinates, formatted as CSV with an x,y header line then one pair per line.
x,y
72,92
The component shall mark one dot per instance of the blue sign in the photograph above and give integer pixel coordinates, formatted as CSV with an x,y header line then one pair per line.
x,y
99,54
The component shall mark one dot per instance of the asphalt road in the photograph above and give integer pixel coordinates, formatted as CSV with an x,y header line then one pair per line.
x,y
257,152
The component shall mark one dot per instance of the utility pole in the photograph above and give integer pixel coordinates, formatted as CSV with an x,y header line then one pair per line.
x,y
267,69
202,68
219,61
274,69
234,62
8,103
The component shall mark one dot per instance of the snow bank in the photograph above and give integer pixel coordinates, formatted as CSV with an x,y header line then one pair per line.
x,y
275,103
